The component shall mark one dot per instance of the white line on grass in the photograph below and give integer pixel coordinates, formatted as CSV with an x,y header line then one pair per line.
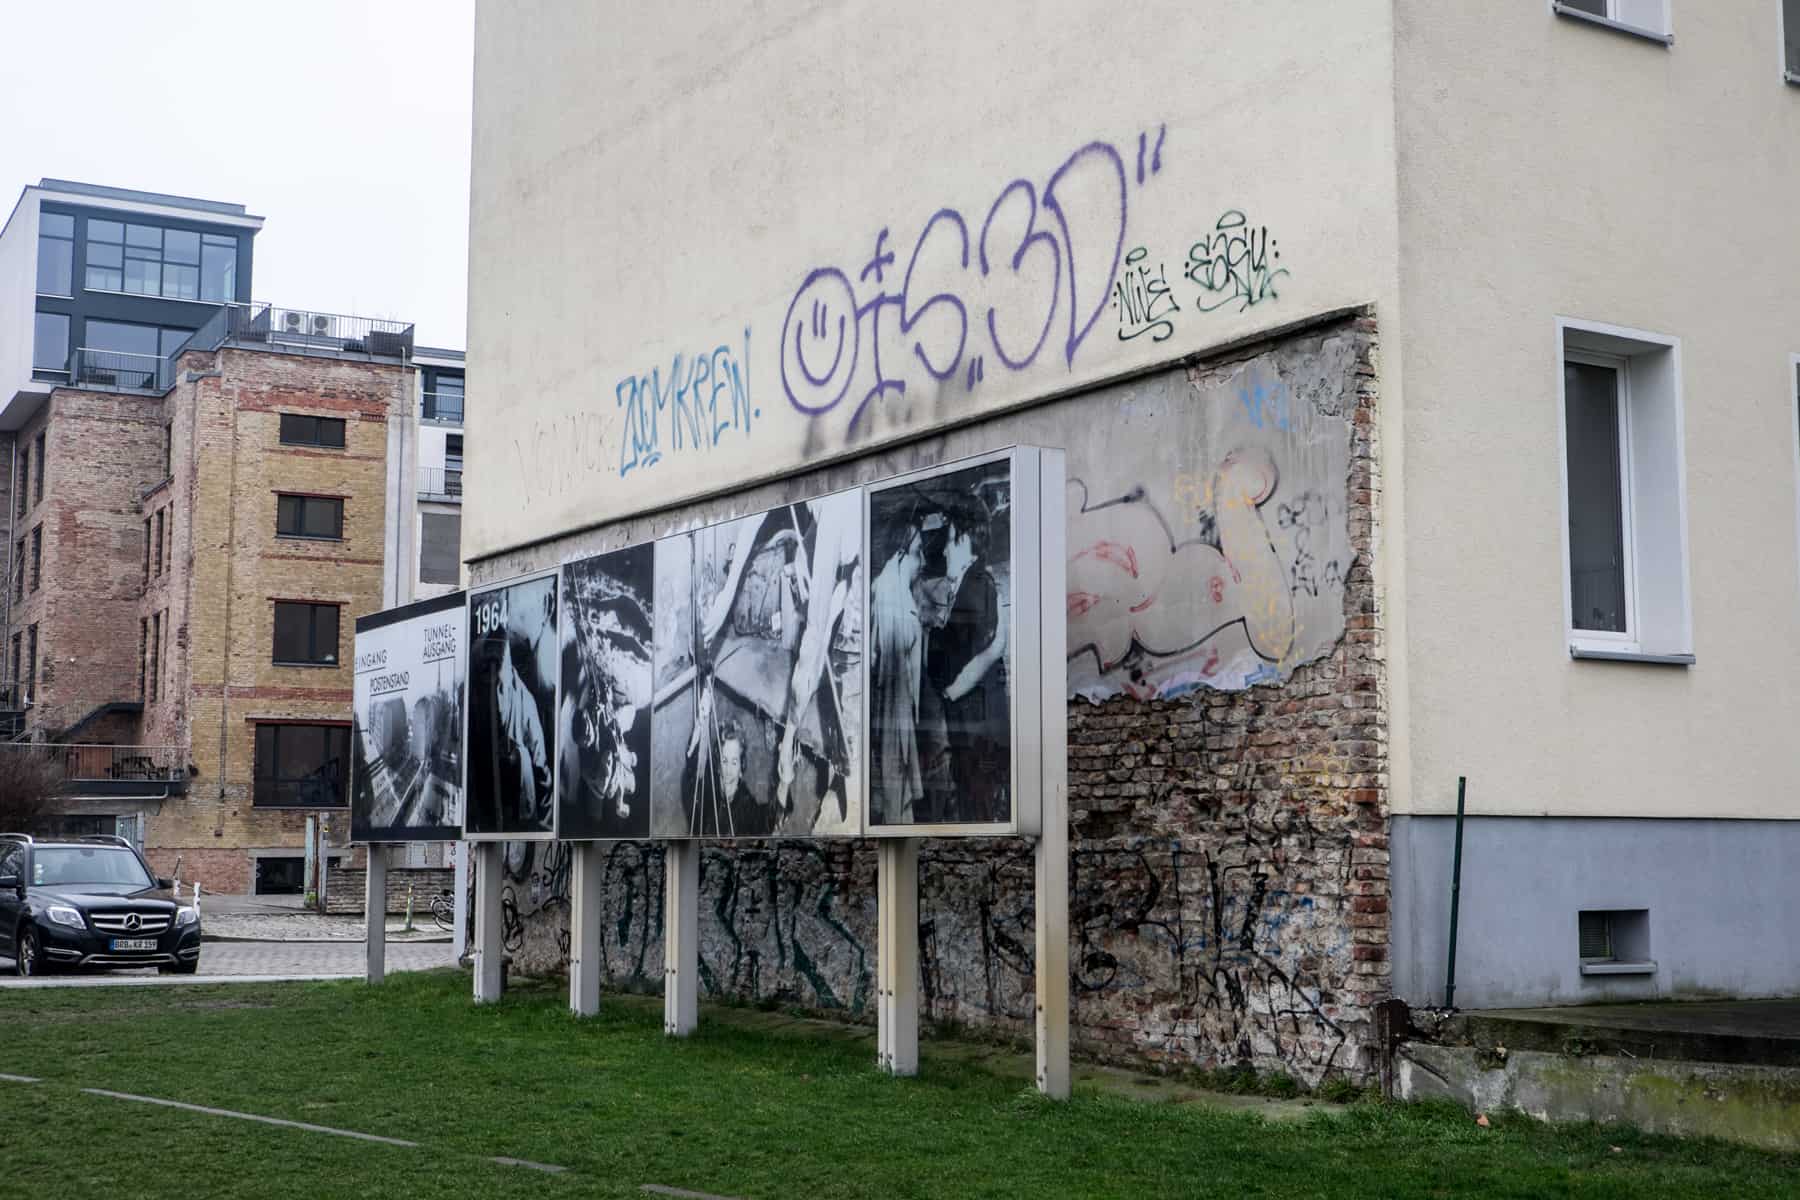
x,y
20,1079
657,1189
526,1162
242,1116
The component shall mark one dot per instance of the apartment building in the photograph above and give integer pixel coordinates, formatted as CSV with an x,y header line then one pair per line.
x,y
1472,325
197,505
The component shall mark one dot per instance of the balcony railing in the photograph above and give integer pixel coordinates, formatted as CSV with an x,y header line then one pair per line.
x,y
440,483
105,764
443,407
120,369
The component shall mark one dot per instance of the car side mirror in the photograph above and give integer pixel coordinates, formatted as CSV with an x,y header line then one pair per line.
x,y
11,883
163,881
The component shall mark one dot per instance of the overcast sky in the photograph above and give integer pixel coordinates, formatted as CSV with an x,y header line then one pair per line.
x,y
345,124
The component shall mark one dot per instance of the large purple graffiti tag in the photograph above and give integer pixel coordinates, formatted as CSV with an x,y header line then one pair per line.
x,y
1043,258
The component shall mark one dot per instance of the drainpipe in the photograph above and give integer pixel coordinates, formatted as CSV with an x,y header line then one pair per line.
x,y
186,737
1462,782
230,583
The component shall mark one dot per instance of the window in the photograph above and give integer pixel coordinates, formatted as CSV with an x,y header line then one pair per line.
x,y
453,452
18,646
43,462
22,501
218,267
157,557
37,557
306,633
146,551
50,344
143,656
1790,38
18,569
440,547
1650,18
169,541
299,429
56,254
309,516
1624,495
444,400
301,766
31,659
105,256
155,654
169,451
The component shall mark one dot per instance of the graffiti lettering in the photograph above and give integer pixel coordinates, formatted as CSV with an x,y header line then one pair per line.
x,y
1018,275
1143,299
1233,264
690,409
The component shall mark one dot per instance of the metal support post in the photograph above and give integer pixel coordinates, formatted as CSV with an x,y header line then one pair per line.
x,y
584,932
897,956
375,914
681,938
489,944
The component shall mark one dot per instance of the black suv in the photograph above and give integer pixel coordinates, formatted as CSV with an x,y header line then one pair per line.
x,y
90,902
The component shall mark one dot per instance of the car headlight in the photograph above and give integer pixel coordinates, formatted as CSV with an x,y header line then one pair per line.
x,y
186,916
62,914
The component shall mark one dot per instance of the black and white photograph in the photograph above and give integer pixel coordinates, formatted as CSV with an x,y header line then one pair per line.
x,y
406,724
758,675
513,660
940,625
603,716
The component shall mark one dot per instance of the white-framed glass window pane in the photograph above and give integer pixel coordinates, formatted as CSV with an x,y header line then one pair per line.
x,y
56,255
1790,36
1598,578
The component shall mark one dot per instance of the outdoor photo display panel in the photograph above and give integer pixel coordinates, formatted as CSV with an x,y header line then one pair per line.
x,y
407,724
758,676
603,717
954,665
511,713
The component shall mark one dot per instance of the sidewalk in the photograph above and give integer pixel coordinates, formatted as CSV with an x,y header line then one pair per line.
x,y
228,918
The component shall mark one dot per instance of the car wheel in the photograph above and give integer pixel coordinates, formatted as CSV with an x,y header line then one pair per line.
x,y
28,959
179,968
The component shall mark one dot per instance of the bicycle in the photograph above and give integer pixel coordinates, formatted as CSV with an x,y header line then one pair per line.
x,y
443,910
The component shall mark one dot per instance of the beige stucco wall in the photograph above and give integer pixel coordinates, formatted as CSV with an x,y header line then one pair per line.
x,y
654,182
1548,168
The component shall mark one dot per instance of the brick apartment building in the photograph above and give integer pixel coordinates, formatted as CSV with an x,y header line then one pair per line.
x,y
202,494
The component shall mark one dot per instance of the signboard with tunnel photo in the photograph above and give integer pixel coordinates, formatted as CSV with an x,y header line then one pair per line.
x,y
406,781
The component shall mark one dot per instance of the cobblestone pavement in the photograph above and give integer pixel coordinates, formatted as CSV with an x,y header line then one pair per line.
x,y
263,960
281,927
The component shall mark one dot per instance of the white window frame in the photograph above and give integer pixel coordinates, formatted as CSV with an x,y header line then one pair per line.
x,y
1793,394
1790,72
1646,379
1627,640
1663,32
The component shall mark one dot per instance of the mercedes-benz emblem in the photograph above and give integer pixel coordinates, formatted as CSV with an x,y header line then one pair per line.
x,y
133,921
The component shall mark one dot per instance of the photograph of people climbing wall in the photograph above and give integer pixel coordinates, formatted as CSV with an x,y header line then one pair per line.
x,y
758,675
603,716
941,625
513,655
406,781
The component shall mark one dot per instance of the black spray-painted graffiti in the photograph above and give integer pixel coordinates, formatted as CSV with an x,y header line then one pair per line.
x,y
1043,258
1143,299
1234,264
692,408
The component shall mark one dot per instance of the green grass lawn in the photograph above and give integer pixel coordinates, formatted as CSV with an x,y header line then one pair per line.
x,y
734,1110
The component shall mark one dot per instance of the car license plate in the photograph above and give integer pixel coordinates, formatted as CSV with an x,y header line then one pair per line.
x,y
134,943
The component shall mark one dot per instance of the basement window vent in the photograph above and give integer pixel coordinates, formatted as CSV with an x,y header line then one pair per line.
x,y
1615,941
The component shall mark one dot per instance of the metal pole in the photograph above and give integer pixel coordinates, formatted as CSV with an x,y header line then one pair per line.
x,y
897,956
489,943
681,937
1462,783
584,932
375,914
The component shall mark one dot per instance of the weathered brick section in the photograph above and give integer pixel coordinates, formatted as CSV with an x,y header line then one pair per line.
x,y
348,889
231,566
1228,865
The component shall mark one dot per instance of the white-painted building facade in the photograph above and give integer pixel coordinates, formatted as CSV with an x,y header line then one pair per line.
x,y
711,249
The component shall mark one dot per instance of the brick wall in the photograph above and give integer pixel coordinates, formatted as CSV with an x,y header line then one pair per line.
x,y
1228,850
348,889
231,566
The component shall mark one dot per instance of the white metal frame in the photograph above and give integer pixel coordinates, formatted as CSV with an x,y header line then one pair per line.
x,y
554,574
1029,681
1664,32
1621,368
1790,72
1601,341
